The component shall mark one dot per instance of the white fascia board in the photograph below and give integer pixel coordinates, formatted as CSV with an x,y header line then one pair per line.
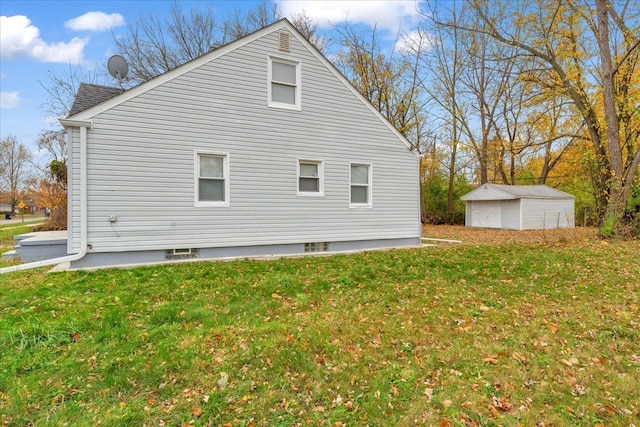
x,y
176,72
72,123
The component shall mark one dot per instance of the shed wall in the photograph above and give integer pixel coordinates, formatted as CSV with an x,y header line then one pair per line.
x,y
547,213
511,214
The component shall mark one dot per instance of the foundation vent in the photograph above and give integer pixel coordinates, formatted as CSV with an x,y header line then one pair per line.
x,y
183,253
316,247
284,42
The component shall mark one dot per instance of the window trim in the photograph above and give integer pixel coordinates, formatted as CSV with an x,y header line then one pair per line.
x,y
369,186
320,192
298,86
196,178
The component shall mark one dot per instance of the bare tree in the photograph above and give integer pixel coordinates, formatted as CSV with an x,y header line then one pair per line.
x,y
309,29
389,82
153,46
61,89
443,63
240,23
14,168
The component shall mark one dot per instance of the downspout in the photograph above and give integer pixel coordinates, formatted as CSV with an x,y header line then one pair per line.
x,y
83,125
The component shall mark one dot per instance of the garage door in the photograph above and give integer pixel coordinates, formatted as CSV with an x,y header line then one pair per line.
x,y
486,214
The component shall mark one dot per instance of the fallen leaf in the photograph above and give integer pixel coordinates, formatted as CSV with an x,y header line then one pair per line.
x,y
197,412
501,403
578,390
518,357
494,411
429,393
394,390
566,362
492,359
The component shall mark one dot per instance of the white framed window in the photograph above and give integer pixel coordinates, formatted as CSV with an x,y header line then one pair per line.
x,y
310,178
284,83
211,179
360,185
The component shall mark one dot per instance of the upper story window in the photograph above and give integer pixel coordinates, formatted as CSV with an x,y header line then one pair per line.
x,y
284,84
360,184
212,179
310,178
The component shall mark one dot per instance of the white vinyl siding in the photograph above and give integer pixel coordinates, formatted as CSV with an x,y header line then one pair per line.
x,y
211,179
511,214
140,173
547,213
284,83
360,185
310,178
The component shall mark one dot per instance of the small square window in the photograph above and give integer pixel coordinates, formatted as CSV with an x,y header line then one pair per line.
x,y
360,185
310,178
212,181
284,84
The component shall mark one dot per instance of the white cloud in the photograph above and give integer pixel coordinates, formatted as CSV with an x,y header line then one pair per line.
x,y
391,15
414,41
9,100
18,37
95,21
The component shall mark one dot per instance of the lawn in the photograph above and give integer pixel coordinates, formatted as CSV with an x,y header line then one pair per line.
x,y
542,332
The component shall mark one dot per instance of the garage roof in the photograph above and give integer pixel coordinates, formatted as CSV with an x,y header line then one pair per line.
x,y
511,192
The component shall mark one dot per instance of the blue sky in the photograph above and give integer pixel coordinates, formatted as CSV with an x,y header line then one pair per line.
x,y
38,37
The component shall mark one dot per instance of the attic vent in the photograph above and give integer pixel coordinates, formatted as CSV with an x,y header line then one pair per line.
x,y
284,42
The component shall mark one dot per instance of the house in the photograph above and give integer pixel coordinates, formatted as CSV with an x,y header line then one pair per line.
x,y
518,207
259,147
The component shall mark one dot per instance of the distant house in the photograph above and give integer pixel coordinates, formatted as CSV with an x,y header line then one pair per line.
x,y
518,207
259,147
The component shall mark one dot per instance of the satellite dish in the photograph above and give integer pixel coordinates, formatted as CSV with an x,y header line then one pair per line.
x,y
118,67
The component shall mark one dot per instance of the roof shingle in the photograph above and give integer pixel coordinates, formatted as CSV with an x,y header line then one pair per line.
x,y
90,94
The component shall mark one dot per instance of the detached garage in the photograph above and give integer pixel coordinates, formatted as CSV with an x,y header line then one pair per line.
x,y
518,207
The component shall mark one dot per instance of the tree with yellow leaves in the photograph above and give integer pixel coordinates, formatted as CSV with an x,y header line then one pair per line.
x,y
587,51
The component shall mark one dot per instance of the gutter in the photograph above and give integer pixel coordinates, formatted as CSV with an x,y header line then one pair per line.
x,y
83,125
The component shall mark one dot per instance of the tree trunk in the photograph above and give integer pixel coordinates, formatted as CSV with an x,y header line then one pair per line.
x,y
616,202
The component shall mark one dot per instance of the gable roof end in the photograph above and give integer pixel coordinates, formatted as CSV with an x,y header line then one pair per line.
x,y
90,112
89,95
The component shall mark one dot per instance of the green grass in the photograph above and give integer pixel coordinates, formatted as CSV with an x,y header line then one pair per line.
x,y
7,243
455,335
